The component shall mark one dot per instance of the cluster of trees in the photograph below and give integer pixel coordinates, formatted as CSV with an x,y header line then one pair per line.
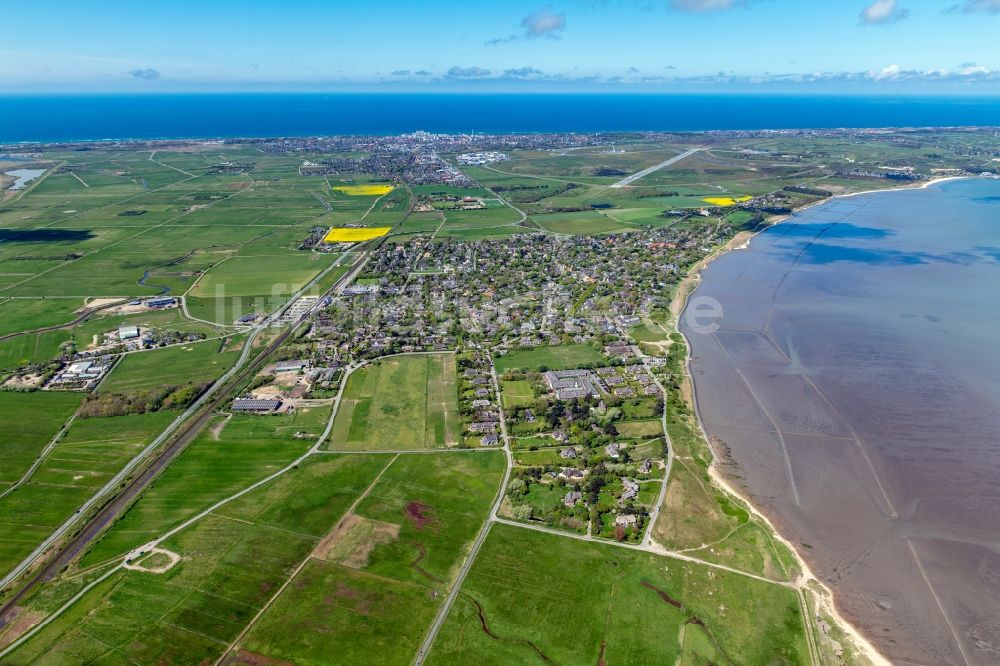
x,y
593,507
523,193
143,402
658,193
559,514
46,372
810,191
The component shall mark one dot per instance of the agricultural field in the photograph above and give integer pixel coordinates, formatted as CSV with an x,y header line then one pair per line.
x,y
354,234
129,223
583,223
27,314
361,549
32,348
533,598
399,403
372,190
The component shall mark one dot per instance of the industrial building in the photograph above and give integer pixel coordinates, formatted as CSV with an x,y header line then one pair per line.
x,y
291,366
256,406
128,332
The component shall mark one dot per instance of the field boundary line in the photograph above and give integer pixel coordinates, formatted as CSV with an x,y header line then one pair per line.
x,y
484,531
656,550
155,161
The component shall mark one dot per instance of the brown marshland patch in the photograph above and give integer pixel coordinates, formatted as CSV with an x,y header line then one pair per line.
x,y
247,658
22,622
419,514
353,539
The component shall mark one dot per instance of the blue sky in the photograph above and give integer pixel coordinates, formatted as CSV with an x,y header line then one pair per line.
x,y
918,46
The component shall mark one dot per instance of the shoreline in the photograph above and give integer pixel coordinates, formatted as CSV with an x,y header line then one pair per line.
x,y
808,582
742,239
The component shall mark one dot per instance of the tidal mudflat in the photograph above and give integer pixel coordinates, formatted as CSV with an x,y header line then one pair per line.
x,y
853,389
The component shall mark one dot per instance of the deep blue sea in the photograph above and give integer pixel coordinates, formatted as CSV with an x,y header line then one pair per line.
x,y
79,117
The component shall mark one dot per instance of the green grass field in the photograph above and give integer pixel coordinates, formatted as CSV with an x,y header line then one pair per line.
x,y
583,223
235,559
552,358
233,562
359,617
640,429
539,598
196,362
28,314
32,348
233,453
141,226
402,402
29,421
242,275
517,393
84,460
376,609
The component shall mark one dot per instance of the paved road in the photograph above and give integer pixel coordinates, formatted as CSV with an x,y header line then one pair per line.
x,y
648,539
645,172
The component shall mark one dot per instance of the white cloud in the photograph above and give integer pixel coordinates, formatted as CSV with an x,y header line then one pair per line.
x,y
523,73
883,11
543,23
890,72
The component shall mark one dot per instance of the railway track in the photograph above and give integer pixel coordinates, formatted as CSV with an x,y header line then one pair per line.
x,y
185,434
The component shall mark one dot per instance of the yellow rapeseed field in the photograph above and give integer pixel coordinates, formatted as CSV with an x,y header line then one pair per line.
x,y
725,201
364,190
354,234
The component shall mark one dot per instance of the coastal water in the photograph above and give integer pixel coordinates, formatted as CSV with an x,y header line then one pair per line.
x,y
853,386
22,177
79,117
